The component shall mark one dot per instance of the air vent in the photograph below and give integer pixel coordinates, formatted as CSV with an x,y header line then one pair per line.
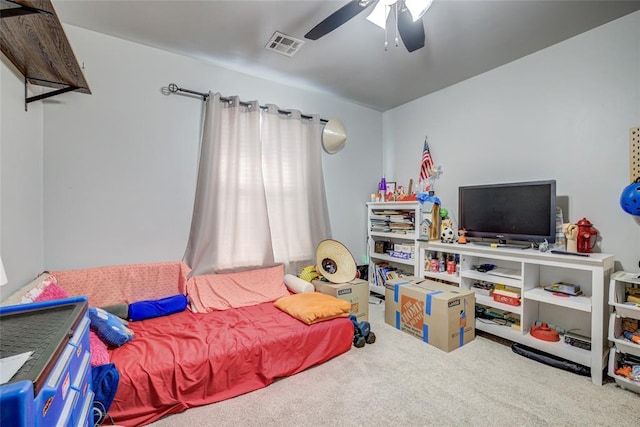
x,y
284,44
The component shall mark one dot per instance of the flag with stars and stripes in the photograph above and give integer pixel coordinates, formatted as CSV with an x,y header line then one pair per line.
x,y
427,162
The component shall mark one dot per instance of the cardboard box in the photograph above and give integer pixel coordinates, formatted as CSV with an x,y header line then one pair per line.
x,y
392,287
356,292
439,314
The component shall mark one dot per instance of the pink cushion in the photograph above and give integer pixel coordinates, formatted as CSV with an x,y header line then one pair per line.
x,y
233,290
51,292
116,284
99,351
34,292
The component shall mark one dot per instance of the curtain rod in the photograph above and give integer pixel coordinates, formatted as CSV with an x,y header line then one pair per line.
x,y
173,88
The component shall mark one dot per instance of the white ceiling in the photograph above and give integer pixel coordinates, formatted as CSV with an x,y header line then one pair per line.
x,y
463,39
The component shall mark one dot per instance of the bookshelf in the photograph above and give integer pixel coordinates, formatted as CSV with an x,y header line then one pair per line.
x,y
393,231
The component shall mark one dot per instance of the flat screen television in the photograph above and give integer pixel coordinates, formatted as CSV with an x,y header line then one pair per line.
x,y
519,211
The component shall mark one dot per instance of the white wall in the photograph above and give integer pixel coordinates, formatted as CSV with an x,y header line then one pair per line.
x,y
562,113
21,236
120,164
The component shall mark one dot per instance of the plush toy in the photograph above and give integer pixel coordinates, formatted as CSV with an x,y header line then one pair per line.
x,y
447,235
463,238
309,273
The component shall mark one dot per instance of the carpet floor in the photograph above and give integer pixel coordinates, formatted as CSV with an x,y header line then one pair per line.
x,y
400,380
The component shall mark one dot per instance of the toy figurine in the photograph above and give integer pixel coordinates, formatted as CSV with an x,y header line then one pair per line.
x,y
400,193
362,332
462,239
447,235
445,223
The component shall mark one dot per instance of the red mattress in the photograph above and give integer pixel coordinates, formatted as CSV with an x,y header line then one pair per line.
x,y
184,360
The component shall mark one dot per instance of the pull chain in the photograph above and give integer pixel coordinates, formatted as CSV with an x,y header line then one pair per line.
x,y
386,43
396,9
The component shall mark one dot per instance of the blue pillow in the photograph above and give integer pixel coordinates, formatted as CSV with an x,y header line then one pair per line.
x,y
142,310
109,328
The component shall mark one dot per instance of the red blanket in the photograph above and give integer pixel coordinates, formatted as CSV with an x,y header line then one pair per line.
x,y
189,359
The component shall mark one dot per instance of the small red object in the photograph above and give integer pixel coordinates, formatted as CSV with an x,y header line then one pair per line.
x,y
587,236
505,299
544,333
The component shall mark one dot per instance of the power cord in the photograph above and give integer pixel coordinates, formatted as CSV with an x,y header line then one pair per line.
x,y
98,415
100,412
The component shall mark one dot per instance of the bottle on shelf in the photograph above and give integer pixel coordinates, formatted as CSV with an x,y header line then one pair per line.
x,y
382,189
451,265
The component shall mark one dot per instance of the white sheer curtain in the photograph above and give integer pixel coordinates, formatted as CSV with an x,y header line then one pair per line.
x,y
230,226
260,195
294,186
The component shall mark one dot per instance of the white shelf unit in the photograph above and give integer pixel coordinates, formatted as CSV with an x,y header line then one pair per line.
x,y
529,270
423,263
408,237
619,281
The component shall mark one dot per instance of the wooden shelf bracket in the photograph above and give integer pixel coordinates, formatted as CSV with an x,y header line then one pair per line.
x,y
28,99
12,8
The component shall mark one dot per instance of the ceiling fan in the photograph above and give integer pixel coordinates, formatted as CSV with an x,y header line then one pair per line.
x,y
408,14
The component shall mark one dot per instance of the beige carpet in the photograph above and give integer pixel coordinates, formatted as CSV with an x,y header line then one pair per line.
x,y
400,380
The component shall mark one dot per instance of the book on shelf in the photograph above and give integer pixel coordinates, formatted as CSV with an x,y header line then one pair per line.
x,y
400,219
376,217
401,226
385,212
384,271
400,255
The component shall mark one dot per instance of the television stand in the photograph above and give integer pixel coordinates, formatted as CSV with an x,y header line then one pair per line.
x,y
528,272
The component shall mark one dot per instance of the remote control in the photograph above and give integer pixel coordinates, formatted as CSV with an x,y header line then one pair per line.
x,y
568,253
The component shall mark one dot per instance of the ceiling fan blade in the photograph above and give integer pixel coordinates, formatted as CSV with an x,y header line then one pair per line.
x,y
412,33
337,18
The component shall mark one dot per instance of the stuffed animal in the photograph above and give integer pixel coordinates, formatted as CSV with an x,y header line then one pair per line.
x,y
463,238
309,273
447,235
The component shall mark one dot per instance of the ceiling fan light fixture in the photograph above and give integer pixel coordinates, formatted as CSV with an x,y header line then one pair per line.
x,y
380,14
417,8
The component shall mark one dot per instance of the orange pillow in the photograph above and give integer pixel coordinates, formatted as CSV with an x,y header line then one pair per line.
x,y
313,307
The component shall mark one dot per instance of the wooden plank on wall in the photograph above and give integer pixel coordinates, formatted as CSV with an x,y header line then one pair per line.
x,y
38,47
